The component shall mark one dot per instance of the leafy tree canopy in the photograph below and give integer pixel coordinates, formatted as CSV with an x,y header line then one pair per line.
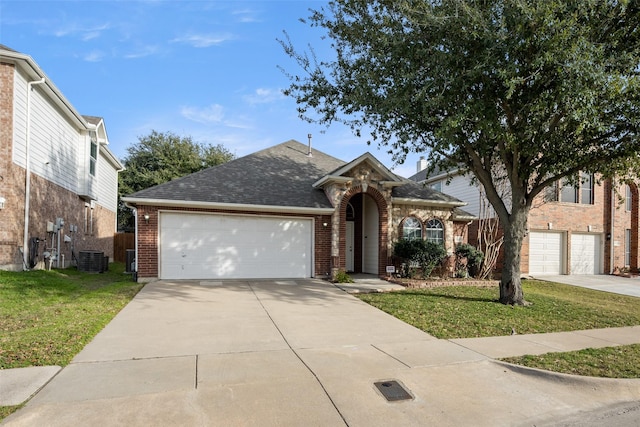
x,y
522,92
160,157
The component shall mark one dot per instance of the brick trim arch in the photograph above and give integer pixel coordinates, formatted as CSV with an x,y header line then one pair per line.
x,y
383,226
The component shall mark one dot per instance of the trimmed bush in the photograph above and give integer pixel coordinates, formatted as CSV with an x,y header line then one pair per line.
x,y
419,255
468,260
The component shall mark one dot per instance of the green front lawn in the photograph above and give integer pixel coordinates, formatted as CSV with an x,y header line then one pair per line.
x,y
47,317
466,312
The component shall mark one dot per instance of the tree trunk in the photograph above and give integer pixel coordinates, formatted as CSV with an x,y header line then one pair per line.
x,y
514,232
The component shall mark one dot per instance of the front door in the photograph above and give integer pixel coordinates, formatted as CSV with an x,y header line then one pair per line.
x,y
350,240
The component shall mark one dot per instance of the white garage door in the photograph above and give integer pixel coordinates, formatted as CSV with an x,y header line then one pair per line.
x,y
545,253
585,254
206,246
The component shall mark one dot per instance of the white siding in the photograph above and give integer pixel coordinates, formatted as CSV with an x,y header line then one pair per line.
x,y
107,179
461,188
54,140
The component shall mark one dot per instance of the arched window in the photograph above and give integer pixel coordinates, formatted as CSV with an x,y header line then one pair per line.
x,y
411,229
435,231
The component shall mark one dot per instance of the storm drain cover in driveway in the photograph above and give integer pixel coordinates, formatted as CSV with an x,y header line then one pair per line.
x,y
392,390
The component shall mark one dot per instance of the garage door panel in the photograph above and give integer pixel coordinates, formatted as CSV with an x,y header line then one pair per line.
x,y
232,246
545,253
585,253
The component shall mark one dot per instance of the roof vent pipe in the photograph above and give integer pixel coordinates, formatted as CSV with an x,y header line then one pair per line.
x,y
309,153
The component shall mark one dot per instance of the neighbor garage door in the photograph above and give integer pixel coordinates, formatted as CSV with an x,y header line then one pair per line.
x,y
206,246
585,253
545,253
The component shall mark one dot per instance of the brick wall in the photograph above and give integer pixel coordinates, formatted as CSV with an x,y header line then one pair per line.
x,y
96,227
11,179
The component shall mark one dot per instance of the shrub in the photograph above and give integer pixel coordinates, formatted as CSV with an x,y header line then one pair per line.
x,y
342,277
419,254
468,260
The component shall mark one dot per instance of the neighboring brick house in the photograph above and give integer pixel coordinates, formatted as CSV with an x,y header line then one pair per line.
x,y
286,212
58,179
586,230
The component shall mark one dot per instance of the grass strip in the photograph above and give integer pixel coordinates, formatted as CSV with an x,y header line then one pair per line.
x,y
608,362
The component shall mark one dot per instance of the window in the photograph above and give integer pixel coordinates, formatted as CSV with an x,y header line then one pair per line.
x,y
435,231
351,213
627,247
93,153
411,229
437,186
628,199
586,188
582,192
551,193
568,193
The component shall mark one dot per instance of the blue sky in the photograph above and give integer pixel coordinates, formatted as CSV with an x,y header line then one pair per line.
x,y
205,69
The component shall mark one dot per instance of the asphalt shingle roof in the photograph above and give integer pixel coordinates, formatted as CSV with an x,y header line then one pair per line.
x,y
282,175
415,190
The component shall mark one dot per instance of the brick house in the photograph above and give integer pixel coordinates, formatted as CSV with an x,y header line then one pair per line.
x,y
286,211
591,229
58,179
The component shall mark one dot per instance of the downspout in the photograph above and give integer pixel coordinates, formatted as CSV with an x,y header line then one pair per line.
x,y
612,230
27,187
135,217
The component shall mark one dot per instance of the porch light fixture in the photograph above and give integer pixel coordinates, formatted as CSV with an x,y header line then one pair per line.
x,y
146,218
324,224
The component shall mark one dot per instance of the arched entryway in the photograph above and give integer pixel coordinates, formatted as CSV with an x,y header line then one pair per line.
x,y
363,231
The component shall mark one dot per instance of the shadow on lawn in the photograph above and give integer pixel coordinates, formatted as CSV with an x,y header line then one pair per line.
x,y
451,297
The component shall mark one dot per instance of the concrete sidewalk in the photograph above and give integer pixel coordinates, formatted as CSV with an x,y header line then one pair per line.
x,y
302,352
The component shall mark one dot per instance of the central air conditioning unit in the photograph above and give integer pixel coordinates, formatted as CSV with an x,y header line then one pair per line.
x,y
91,261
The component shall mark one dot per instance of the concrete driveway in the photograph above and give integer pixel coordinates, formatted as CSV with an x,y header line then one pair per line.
x,y
292,353
600,282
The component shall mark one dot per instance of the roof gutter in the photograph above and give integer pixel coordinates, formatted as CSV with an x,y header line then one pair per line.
x,y
33,71
227,206
422,202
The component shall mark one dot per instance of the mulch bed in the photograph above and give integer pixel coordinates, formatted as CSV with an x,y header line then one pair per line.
x,y
439,282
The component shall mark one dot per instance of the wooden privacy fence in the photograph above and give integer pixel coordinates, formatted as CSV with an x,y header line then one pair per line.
x,y
122,242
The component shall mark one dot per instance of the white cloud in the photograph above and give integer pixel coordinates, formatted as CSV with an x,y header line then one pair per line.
x,y
264,96
94,56
142,52
245,15
211,114
203,40
85,33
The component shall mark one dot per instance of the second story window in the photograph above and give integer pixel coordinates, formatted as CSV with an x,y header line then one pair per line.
x,y
93,153
586,188
437,186
628,199
582,192
568,193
